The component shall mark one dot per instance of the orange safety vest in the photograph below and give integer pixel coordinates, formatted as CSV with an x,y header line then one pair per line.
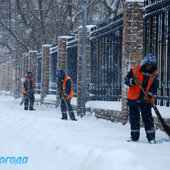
x,y
134,91
64,88
24,90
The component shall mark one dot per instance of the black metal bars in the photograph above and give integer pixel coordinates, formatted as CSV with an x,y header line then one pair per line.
x,y
53,69
157,41
106,57
72,61
38,73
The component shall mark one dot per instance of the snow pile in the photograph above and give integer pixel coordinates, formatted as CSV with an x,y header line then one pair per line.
x,y
134,0
165,111
88,144
107,105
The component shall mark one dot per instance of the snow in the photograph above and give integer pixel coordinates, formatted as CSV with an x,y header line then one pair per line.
x,y
165,111
88,144
107,105
46,45
33,51
134,0
65,37
89,27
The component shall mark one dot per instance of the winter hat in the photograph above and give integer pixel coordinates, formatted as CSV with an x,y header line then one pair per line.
x,y
60,74
149,59
29,72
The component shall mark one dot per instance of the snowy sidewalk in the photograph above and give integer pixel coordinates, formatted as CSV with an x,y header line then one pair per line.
x,y
88,144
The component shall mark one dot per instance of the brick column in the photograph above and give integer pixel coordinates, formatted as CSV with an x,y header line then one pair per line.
x,y
61,54
1,76
79,67
132,44
45,65
32,62
24,64
5,76
12,77
8,75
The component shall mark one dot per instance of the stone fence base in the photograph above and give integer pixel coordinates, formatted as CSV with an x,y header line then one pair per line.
x,y
112,115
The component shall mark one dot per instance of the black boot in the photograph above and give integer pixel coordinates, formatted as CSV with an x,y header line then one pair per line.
x,y
151,137
31,108
64,116
25,108
73,116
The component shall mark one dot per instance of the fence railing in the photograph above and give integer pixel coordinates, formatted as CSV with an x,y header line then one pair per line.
x,y
157,41
106,57
38,73
72,61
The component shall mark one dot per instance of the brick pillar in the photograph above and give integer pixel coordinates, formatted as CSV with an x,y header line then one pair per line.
x,y
24,66
1,76
8,75
12,77
79,67
25,62
132,44
32,62
5,76
45,65
61,54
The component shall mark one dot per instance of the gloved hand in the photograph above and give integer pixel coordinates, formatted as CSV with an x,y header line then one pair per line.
x,y
148,98
137,81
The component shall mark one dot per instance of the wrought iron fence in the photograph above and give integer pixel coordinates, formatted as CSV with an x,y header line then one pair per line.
x,y
72,61
106,57
38,73
53,69
157,41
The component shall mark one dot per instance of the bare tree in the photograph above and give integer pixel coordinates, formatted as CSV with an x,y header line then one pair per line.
x,y
28,24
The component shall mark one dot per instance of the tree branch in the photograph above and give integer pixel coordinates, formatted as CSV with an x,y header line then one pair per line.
x,y
13,34
73,19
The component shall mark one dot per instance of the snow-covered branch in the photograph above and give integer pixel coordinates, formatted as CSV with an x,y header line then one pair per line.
x,y
78,13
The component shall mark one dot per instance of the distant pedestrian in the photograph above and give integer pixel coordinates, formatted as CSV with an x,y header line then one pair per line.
x,y
65,88
28,91
146,75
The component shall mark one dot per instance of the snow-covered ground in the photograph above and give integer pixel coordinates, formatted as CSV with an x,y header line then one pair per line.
x,y
88,144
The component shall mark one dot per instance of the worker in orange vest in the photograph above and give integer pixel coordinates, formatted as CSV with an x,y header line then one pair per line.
x,y
65,87
28,91
146,75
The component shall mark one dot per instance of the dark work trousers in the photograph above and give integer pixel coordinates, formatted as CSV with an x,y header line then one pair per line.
x,y
134,114
64,108
29,102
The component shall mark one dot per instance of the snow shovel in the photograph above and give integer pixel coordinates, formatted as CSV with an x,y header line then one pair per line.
x,y
163,123
69,112
24,98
